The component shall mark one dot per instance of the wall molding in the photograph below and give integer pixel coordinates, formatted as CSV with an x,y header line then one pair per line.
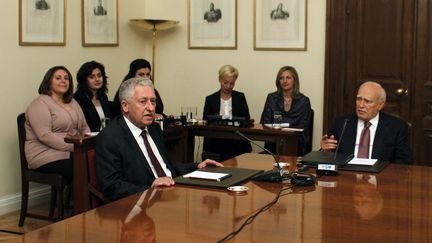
x,y
12,202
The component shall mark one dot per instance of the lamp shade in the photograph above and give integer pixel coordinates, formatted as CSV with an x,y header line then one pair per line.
x,y
157,24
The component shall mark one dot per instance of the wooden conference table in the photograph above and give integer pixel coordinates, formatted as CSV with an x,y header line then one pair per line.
x,y
392,206
286,141
180,142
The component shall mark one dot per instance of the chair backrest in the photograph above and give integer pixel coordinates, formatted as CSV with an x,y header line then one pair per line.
x,y
21,141
311,125
96,197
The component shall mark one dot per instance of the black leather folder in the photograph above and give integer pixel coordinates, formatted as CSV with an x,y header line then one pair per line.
x,y
321,157
376,168
238,175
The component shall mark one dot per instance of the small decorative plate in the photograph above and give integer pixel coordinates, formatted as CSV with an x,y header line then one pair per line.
x,y
238,189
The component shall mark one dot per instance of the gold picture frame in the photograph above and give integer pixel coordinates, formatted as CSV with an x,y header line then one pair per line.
x,y
212,24
42,22
280,25
100,25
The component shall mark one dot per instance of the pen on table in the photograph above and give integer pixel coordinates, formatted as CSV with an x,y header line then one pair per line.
x,y
224,177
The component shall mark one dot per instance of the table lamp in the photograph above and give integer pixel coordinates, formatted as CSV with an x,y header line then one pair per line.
x,y
154,25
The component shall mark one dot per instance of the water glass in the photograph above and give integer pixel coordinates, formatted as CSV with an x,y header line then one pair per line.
x,y
277,120
190,112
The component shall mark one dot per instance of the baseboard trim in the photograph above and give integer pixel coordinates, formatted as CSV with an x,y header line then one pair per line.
x,y
12,203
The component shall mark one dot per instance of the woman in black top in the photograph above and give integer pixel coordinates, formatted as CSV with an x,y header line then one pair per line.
x,y
294,106
91,95
139,68
226,102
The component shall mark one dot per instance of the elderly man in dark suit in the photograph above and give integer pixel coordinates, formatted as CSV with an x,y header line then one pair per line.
x,y
370,133
130,152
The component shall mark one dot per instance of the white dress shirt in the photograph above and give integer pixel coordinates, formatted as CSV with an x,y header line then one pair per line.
x,y
226,107
136,132
101,116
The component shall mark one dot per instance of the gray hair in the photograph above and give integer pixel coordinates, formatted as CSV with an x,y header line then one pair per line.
x,y
126,90
383,95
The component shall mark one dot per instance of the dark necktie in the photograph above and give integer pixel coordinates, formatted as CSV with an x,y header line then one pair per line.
x,y
153,159
363,150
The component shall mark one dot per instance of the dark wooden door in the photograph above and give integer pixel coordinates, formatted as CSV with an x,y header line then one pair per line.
x,y
387,41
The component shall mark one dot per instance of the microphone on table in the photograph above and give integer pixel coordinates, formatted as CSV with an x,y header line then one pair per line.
x,y
274,175
324,168
340,138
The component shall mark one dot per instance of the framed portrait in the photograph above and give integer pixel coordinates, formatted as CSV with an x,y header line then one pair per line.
x,y
280,25
212,24
100,23
42,22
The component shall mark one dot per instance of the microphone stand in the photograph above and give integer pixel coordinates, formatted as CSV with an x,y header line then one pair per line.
x,y
340,139
275,175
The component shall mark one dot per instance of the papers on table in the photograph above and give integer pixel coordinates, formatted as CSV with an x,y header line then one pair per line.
x,y
204,175
357,161
292,129
282,125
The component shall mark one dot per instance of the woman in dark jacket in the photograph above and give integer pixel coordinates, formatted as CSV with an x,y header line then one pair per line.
x,y
139,68
91,95
294,106
226,102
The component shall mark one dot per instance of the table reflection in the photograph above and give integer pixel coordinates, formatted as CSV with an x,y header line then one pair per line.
x,y
212,203
138,226
368,201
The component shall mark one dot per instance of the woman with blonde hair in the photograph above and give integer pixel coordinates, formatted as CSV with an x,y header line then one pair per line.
x,y
226,102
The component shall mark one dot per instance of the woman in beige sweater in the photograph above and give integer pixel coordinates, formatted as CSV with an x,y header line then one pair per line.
x,y
49,118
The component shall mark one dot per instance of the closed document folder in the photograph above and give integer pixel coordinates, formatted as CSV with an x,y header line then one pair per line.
x,y
321,157
237,176
375,168
206,175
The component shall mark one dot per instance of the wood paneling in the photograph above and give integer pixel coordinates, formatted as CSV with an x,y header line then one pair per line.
x,y
387,41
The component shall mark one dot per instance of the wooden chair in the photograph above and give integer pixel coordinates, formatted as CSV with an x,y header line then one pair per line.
x,y
311,124
96,197
56,181
88,194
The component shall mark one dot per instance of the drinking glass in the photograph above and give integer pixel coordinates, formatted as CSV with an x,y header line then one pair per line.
x,y
277,119
190,112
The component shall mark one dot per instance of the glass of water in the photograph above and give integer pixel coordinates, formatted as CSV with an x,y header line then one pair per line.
x,y
277,120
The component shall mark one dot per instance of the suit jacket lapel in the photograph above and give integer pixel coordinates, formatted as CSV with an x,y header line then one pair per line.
x,y
349,137
380,135
235,104
136,152
217,102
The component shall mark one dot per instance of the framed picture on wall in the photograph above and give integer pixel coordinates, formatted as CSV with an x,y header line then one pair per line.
x,y
42,22
212,24
100,23
280,25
